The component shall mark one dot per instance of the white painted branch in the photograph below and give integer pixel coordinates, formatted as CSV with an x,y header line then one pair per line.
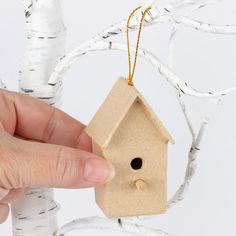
x,y
156,14
28,7
35,213
184,4
125,225
198,25
164,70
46,35
161,14
192,156
191,167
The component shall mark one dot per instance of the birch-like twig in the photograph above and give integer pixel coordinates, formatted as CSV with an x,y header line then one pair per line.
x,y
191,167
163,69
155,15
35,213
125,225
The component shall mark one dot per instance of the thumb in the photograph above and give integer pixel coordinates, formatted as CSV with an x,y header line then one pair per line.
x,y
37,165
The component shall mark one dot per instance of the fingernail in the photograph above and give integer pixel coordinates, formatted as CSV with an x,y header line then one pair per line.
x,y
3,193
98,170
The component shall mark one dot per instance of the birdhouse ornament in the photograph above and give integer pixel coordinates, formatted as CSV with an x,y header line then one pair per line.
x,y
127,132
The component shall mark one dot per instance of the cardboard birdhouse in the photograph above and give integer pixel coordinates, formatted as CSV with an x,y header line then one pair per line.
x,y
127,132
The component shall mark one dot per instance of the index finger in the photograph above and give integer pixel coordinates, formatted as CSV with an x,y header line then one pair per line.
x,y
32,119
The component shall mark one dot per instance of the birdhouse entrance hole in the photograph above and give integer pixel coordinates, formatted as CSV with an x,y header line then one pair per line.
x,y
136,163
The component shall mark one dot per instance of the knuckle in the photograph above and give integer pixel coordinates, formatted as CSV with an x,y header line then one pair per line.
x,y
68,167
50,127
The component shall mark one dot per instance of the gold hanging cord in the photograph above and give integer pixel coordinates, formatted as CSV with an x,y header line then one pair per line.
x,y
131,71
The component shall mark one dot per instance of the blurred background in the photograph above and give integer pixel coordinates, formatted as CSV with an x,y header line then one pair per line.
x,y
203,60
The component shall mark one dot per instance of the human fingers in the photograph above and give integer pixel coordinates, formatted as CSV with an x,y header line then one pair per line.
x,y
29,118
4,212
26,164
12,196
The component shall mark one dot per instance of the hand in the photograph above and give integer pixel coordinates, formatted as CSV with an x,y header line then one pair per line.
x,y
42,147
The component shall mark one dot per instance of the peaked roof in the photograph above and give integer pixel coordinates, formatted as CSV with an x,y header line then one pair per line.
x,y
113,110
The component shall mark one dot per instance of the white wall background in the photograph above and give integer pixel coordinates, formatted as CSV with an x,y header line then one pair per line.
x,y
203,60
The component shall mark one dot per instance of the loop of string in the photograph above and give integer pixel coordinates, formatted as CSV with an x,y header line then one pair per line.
x,y
131,71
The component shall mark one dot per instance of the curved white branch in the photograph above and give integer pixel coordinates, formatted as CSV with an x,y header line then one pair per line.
x,y
198,25
166,13
191,3
164,71
191,167
129,226
156,14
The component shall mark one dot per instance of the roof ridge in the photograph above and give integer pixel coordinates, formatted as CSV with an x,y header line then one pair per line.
x,y
114,109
